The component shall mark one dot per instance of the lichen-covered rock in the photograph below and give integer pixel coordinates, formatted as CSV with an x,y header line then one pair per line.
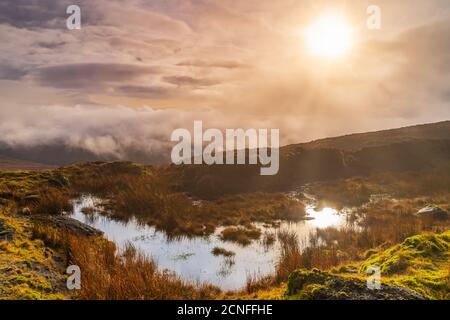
x,y
319,285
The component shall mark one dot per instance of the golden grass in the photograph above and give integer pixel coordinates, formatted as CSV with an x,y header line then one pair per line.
x,y
217,251
379,225
241,235
109,274
357,191
29,270
129,275
53,201
152,197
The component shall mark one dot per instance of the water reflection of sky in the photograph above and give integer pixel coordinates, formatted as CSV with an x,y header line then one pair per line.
x,y
192,258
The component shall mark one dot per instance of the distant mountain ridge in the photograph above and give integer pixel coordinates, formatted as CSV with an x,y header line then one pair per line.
x,y
404,148
7,163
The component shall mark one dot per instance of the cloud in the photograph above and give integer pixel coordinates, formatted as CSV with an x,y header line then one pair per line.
x,y
51,44
98,129
11,73
416,71
190,81
33,13
105,131
88,75
212,64
242,60
154,92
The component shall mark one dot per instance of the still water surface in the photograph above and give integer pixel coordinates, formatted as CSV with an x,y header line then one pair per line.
x,y
191,258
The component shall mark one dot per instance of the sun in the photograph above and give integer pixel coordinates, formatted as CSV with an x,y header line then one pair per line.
x,y
330,36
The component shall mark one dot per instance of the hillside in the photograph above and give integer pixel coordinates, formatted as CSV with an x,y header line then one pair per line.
x,y
357,141
60,154
406,149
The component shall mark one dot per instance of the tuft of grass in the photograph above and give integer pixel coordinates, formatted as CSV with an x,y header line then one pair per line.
x,y
290,257
129,274
269,239
256,283
241,235
53,201
217,251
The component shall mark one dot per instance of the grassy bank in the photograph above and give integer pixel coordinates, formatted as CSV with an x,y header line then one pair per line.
x,y
420,264
28,268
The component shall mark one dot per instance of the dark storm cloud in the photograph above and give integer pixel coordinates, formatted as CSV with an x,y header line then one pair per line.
x,y
154,92
190,81
88,75
51,44
50,14
11,73
34,13
213,64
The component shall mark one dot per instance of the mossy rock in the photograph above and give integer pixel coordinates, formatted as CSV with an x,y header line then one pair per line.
x,y
300,278
319,285
412,251
419,263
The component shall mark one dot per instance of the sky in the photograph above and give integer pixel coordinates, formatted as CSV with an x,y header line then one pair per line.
x,y
138,69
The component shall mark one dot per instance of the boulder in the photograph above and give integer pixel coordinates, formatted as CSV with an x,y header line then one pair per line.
x,y
26,211
433,212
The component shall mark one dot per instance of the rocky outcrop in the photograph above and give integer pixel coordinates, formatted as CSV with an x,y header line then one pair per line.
x,y
433,212
319,285
68,224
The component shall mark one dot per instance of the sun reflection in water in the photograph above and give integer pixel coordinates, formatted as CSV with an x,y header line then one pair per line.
x,y
324,218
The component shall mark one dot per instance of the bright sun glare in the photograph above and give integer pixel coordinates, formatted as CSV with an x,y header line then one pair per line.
x,y
330,36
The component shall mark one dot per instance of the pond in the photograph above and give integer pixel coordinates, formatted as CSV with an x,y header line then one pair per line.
x,y
192,258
